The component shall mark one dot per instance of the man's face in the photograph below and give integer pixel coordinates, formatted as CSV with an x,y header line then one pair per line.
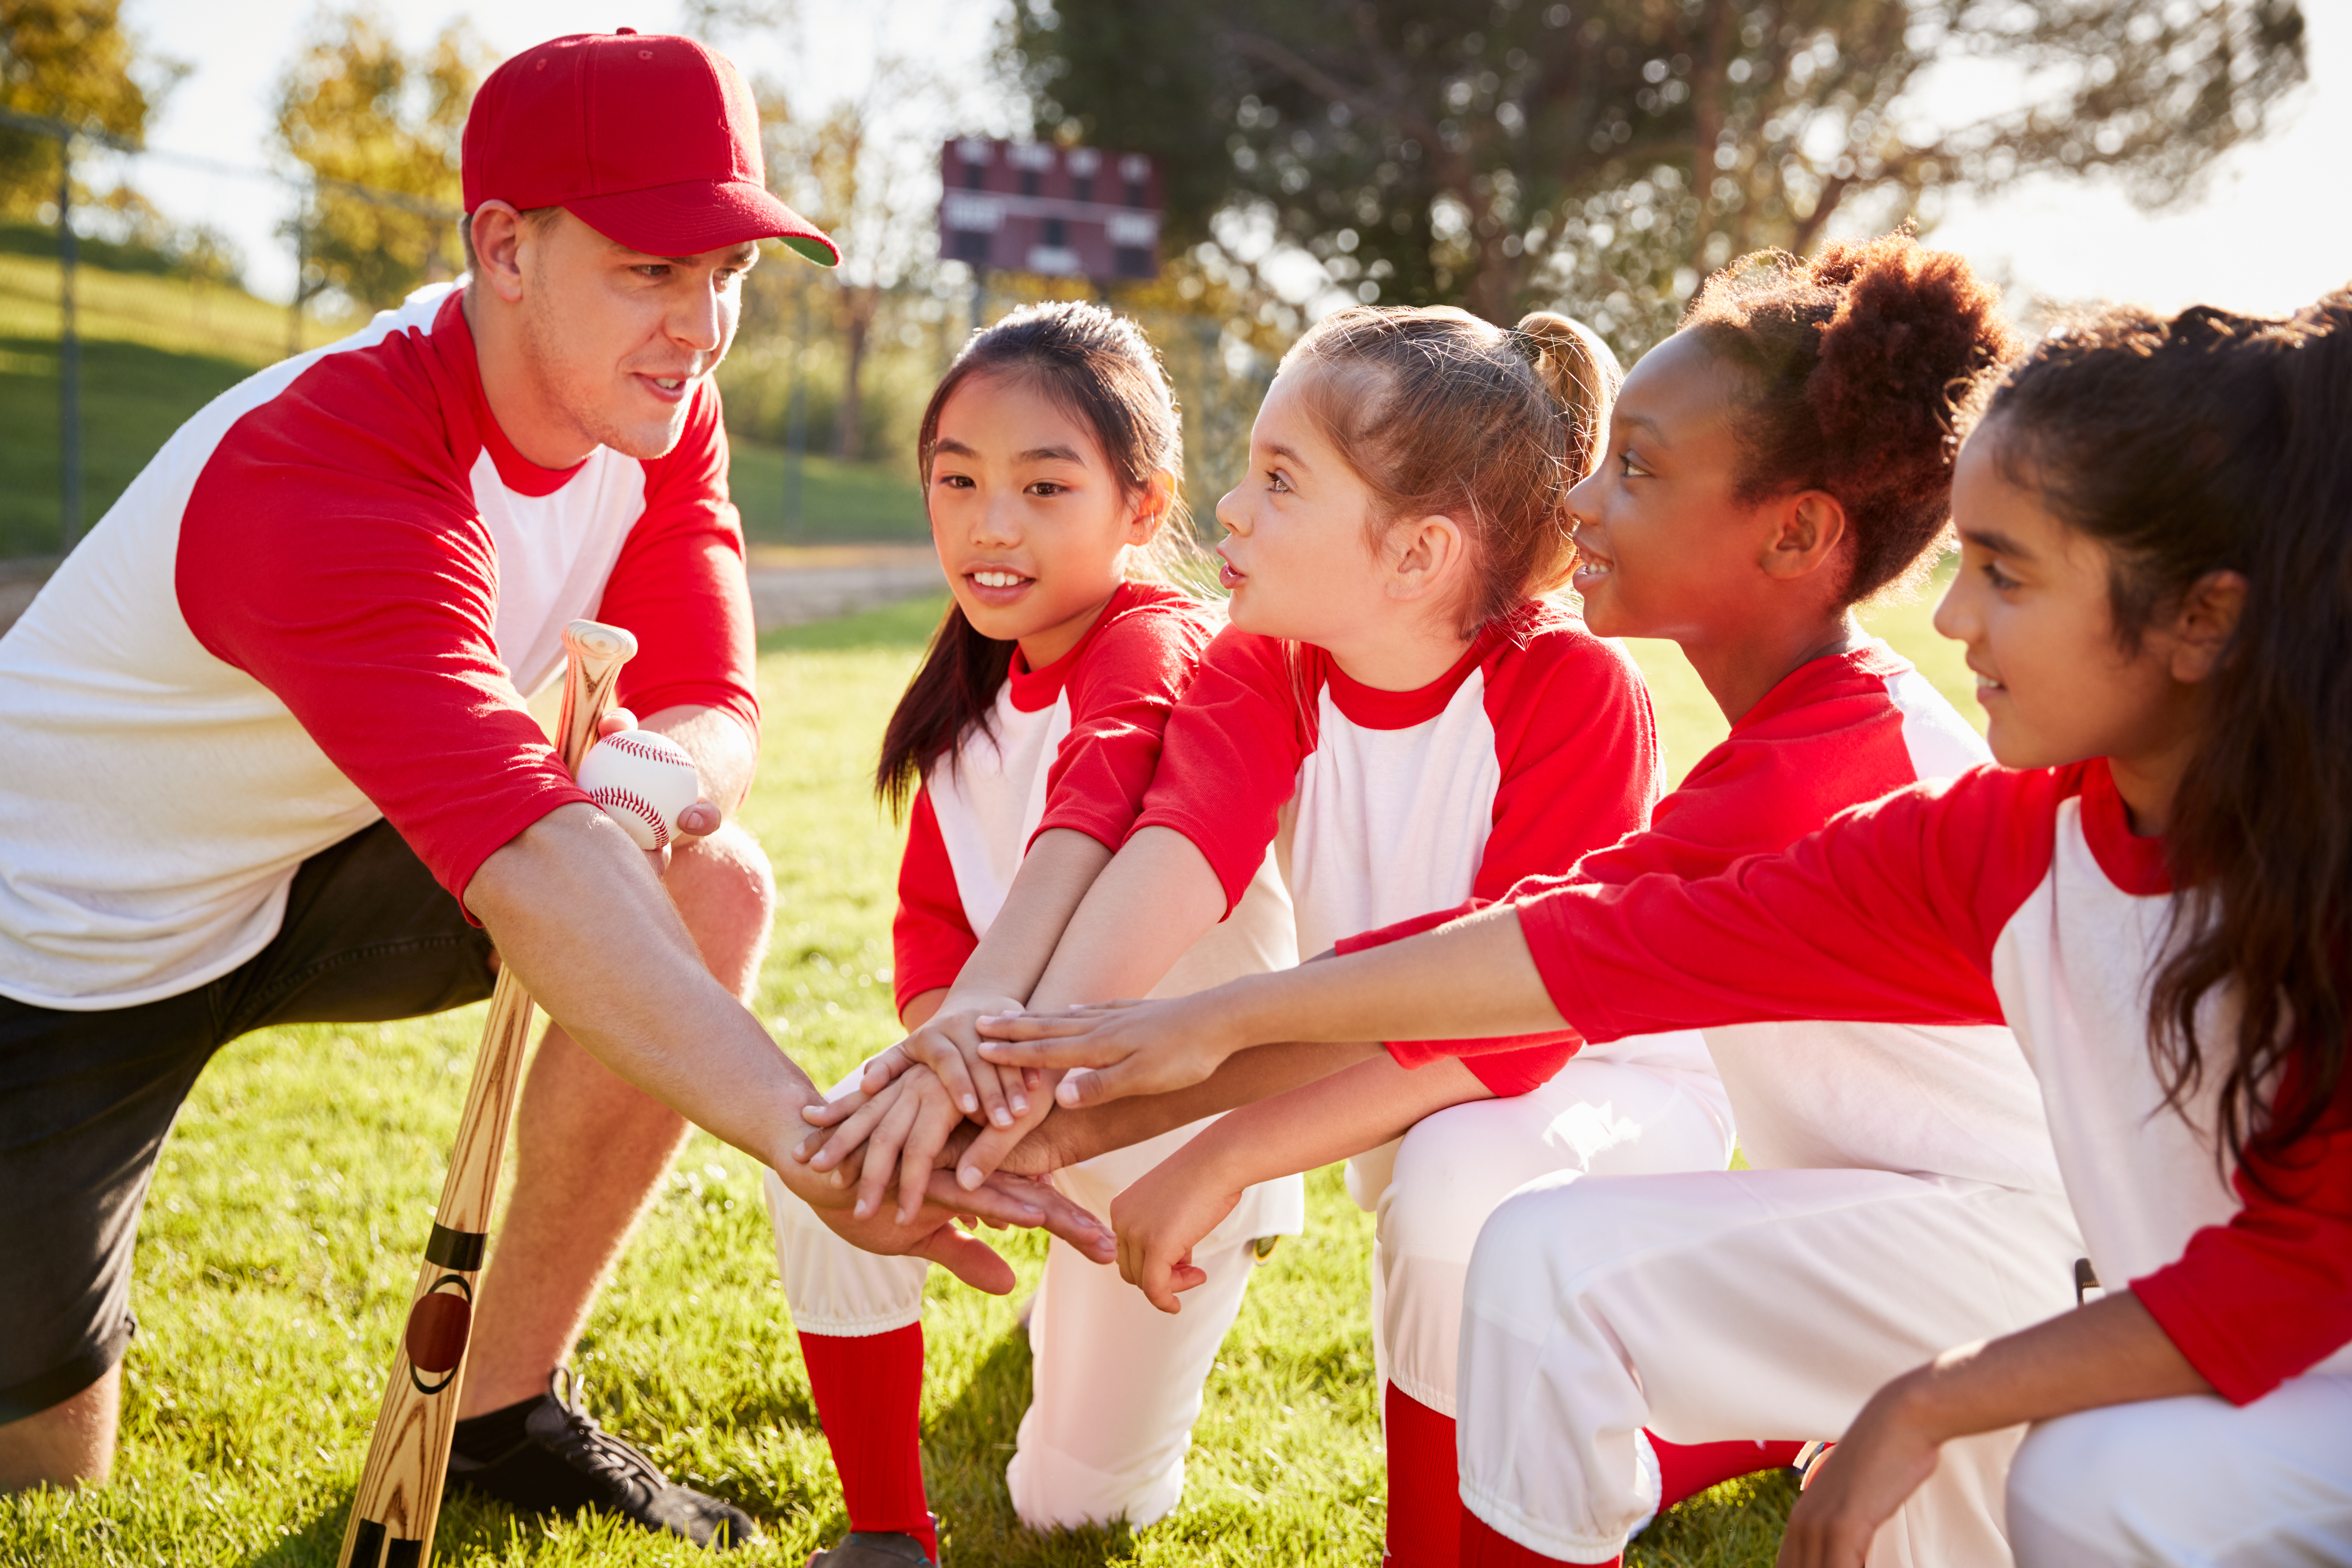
x,y
617,340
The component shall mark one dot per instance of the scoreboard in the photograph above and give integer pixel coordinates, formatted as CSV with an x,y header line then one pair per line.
x,y
1066,212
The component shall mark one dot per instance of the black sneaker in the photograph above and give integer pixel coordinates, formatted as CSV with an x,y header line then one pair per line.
x,y
567,1462
872,1549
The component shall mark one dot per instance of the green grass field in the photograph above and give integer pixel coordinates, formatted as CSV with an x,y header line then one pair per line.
x,y
277,1252
155,349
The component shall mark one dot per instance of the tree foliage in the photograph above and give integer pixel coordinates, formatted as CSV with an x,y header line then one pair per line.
x,y
71,61
1501,153
354,108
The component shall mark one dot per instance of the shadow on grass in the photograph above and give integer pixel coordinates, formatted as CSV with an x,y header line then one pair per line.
x,y
964,1454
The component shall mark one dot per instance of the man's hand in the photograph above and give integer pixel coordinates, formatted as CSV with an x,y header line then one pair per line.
x,y
1116,1048
1162,1217
696,821
1885,1456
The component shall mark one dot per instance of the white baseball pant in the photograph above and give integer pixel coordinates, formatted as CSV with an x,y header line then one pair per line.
x,y
1750,1304
2191,1482
1115,1382
1432,1189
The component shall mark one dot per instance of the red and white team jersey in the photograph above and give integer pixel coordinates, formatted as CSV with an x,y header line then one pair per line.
x,y
324,601
2022,896
1537,747
1071,745
1931,1100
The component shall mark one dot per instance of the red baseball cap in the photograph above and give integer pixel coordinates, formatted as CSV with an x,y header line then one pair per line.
x,y
649,140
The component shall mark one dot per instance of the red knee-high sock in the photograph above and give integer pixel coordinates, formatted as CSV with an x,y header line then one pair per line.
x,y
1425,1491
1484,1546
870,1395
1687,1469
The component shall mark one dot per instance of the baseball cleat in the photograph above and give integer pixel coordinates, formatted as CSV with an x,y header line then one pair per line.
x,y
872,1549
566,1462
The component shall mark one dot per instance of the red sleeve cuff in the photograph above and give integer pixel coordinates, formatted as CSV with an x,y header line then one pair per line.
x,y
1235,876
1107,827
499,828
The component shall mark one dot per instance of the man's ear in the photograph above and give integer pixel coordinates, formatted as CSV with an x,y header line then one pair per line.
x,y
498,238
1808,532
1151,507
2202,626
1429,552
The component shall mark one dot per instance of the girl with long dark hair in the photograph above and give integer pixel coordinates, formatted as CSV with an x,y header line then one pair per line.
x,y
1023,748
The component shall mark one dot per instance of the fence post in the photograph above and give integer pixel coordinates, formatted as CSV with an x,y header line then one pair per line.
x,y
69,362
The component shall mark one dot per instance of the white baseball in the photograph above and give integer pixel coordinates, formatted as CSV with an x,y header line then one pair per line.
x,y
643,780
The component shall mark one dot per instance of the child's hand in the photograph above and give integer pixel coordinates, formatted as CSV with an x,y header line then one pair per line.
x,y
949,1043
1853,1488
898,1137
1160,1219
1116,1048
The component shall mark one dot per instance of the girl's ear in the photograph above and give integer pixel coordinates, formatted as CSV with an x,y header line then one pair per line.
x,y
1429,553
2201,627
1151,505
1808,533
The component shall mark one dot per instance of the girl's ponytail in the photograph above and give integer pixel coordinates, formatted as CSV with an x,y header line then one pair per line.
x,y
1582,375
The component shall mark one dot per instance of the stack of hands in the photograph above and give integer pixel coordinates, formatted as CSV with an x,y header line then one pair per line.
x,y
998,1096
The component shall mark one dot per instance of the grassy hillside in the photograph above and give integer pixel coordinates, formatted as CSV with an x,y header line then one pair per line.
x,y
156,348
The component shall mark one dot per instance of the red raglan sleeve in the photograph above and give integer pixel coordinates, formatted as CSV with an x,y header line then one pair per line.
x,y
1121,699
2266,1297
680,584
1887,914
1231,754
1579,750
330,550
930,938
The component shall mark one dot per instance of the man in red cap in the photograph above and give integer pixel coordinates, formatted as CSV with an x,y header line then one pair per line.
x,y
270,762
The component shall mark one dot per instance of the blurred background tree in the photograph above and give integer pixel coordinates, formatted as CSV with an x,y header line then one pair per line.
x,y
71,61
354,107
1600,155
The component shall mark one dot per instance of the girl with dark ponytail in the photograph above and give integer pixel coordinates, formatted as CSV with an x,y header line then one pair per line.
x,y
1021,751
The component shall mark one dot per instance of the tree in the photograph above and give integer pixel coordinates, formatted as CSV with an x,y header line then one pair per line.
x,y
1599,153
354,109
70,61
866,174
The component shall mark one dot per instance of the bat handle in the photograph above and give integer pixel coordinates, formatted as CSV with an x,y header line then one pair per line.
x,y
591,674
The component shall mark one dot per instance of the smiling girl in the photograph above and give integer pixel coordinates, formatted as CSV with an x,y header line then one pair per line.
x,y
1027,740
1783,456
1399,709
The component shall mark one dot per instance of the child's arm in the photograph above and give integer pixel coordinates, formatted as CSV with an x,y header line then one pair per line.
x,y
1471,977
2109,1352
1002,969
1165,1214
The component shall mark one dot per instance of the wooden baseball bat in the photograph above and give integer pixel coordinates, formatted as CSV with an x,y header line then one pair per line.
x,y
399,1497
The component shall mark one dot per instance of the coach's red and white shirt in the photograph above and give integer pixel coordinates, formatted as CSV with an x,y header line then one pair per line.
x,y
325,600
1537,747
1073,745
1931,1100
2022,896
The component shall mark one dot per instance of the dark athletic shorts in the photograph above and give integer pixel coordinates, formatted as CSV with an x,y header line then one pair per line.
x,y
87,1097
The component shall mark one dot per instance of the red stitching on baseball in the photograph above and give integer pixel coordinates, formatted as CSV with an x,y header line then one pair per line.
x,y
629,745
637,805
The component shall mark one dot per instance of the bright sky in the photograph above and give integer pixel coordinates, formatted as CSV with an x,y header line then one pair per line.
x,y
2264,234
